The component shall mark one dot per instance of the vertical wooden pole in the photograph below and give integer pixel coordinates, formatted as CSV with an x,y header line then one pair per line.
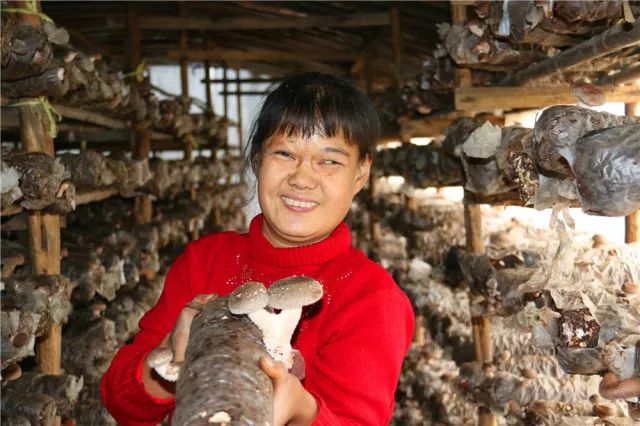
x,y
143,209
239,110
225,88
43,228
184,75
480,325
207,88
396,40
420,327
632,222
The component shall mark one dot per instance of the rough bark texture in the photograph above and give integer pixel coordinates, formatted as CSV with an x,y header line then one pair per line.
x,y
221,373
558,129
64,389
38,409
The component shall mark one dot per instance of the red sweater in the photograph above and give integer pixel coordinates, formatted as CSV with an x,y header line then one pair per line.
x,y
353,344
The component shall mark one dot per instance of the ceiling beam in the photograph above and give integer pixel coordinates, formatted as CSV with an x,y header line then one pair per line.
x,y
243,23
506,98
257,55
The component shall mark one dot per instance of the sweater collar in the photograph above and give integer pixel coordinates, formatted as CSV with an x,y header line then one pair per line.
x,y
262,250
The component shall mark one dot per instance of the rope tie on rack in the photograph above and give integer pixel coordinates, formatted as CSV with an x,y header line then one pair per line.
x,y
31,9
138,73
190,140
53,116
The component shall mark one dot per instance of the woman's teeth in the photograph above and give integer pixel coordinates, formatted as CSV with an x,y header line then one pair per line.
x,y
300,204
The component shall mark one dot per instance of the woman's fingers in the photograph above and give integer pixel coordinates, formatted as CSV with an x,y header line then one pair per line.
x,y
274,369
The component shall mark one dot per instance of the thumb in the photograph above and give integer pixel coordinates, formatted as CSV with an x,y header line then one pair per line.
x,y
275,370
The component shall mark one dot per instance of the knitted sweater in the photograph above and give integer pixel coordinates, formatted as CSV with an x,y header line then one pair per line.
x,y
353,343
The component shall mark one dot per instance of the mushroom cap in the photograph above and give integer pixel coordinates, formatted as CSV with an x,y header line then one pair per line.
x,y
249,297
294,292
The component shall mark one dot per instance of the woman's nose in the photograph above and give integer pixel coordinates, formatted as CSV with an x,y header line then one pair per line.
x,y
303,176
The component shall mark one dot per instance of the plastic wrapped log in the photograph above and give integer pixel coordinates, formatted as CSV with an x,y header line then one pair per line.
x,y
560,127
546,365
14,420
51,83
607,171
64,388
479,162
38,409
514,158
88,348
18,335
234,361
91,411
504,387
479,49
529,22
87,272
46,296
29,53
591,11
10,185
88,169
41,178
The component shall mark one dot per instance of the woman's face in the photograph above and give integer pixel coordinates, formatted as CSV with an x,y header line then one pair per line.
x,y
306,185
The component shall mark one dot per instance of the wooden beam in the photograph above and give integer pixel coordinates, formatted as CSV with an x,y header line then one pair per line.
x,y
44,228
89,117
626,75
225,97
609,41
239,112
257,55
396,39
207,86
141,138
243,80
262,23
506,98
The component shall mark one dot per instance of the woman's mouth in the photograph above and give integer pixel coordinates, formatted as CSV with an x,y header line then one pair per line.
x,y
298,205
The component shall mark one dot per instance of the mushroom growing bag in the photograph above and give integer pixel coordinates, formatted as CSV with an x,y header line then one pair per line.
x,y
606,165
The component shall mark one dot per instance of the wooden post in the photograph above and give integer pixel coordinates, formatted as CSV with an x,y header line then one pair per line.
x,y
141,137
239,110
225,88
207,87
632,222
184,75
396,41
480,325
420,327
43,228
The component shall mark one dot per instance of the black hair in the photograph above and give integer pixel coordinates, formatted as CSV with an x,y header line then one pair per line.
x,y
310,103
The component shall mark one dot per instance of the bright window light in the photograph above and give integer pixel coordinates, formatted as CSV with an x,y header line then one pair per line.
x,y
421,141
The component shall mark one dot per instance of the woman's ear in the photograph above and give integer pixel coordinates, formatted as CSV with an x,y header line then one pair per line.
x,y
363,173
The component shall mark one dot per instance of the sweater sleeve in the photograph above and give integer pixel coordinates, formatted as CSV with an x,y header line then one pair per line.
x,y
122,389
356,371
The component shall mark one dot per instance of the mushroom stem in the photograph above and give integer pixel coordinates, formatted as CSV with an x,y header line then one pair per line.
x,y
277,330
612,387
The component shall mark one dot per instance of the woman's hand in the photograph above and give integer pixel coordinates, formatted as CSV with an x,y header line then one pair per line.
x,y
292,404
167,357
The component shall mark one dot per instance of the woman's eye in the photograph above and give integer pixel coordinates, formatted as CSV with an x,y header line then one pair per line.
x,y
283,153
330,163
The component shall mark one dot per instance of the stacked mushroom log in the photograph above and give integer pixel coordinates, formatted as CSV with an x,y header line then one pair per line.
x,y
41,62
573,156
112,275
527,382
507,36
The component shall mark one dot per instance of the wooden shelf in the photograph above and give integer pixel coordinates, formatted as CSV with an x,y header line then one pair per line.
x,y
85,197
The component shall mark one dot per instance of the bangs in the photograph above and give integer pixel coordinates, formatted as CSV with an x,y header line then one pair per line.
x,y
315,110
314,103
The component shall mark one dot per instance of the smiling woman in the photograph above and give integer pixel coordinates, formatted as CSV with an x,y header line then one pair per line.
x,y
305,186
311,150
